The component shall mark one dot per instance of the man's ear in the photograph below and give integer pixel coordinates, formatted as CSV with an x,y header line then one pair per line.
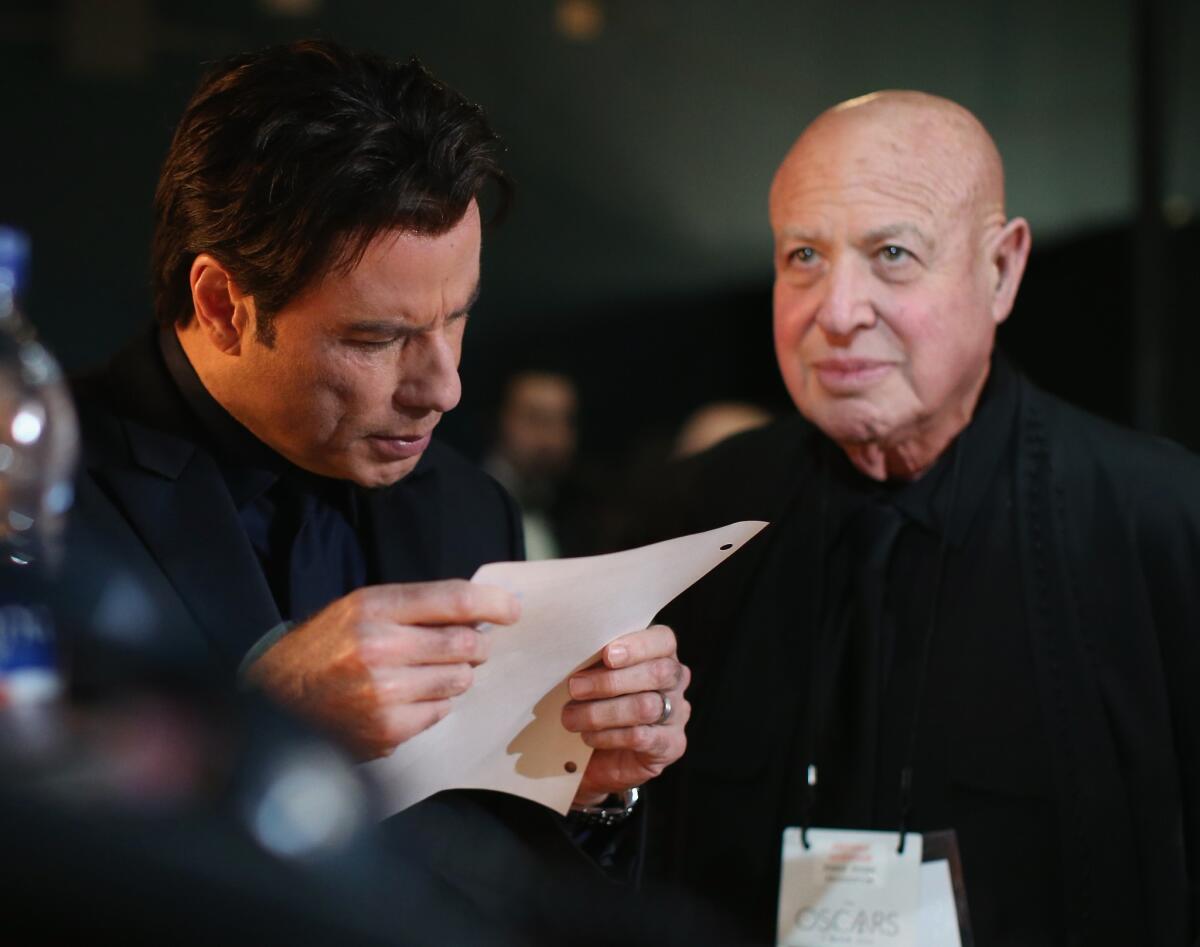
x,y
223,311
1009,253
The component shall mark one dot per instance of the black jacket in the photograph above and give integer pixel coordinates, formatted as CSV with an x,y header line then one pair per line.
x,y
1108,532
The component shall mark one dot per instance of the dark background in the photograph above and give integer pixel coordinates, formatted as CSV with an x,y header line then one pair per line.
x,y
638,255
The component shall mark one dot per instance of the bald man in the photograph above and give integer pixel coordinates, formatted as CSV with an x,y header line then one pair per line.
x,y
977,607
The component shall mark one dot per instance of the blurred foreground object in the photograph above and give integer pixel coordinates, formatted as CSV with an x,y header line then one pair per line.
x,y
39,436
196,819
38,449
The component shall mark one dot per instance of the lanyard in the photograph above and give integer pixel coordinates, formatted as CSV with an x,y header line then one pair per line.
x,y
817,701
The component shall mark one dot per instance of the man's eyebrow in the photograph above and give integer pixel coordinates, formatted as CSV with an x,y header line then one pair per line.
x,y
891,231
800,233
384,326
471,301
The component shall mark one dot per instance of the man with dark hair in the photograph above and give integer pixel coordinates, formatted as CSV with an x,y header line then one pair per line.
x,y
290,162
976,607
263,459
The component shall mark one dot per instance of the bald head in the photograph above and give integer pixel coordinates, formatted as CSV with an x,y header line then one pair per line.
x,y
931,147
894,264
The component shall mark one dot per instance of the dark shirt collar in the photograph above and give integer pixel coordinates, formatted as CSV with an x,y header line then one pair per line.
x,y
249,466
928,499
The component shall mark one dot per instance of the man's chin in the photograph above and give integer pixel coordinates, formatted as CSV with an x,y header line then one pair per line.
x,y
848,424
374,475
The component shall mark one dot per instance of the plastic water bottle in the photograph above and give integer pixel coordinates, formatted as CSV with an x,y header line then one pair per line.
x,y
38,448
39,436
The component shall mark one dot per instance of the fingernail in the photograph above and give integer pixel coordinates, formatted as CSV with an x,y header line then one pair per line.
x,y
617,654
580,687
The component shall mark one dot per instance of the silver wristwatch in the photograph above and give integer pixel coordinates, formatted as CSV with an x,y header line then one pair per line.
x,y
613,811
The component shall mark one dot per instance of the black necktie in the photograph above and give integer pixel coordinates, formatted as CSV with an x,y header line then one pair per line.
x,y
326,559
867,642
872,543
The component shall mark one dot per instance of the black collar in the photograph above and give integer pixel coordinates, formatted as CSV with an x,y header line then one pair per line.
x,y
249,466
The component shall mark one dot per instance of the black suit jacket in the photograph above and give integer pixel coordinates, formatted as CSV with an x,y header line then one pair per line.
x,y
154,517
1108,531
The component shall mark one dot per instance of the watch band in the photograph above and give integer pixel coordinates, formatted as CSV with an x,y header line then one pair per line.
x,y
613,811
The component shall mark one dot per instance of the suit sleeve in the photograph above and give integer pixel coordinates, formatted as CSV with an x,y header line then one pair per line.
x,y
1173,572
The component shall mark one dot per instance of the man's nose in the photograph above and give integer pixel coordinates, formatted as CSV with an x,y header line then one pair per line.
x,y
430,380
846,305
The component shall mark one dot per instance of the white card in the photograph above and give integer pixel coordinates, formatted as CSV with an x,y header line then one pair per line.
x,y
937,923
849,887
506,733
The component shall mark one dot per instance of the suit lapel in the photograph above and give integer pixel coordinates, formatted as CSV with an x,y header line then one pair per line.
x,y
175,499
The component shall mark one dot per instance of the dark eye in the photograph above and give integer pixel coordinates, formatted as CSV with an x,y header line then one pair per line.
x,y
803,255
370,344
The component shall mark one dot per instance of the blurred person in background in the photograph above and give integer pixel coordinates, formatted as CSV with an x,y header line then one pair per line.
x,y
535,445
707,426
976,607
263,461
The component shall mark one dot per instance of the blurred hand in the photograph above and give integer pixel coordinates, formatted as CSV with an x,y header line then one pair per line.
x,y
380,665
616,706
